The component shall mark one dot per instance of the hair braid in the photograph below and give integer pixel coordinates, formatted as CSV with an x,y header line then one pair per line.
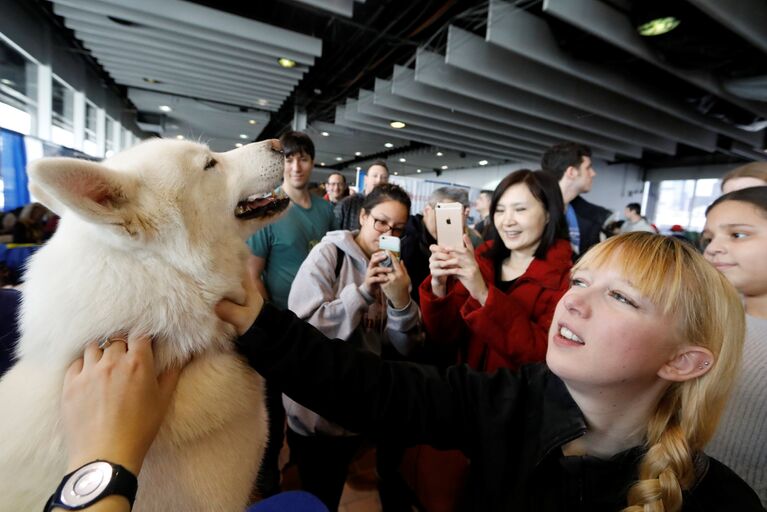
x,y
667,467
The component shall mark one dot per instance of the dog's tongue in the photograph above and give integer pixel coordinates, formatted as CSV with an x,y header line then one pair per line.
x,y
263,201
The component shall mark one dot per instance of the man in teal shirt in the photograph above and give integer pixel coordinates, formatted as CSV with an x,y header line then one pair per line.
x,y
278,251
280,248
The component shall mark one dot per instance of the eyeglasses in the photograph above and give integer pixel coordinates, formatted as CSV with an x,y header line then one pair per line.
x,y
382,227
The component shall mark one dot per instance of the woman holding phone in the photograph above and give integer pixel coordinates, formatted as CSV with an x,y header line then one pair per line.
x,y
350,289
496,303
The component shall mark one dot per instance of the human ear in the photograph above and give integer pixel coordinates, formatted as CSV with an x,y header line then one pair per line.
x,y
690,362
363,216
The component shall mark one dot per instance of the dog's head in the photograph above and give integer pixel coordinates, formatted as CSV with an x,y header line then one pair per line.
x,y
167,192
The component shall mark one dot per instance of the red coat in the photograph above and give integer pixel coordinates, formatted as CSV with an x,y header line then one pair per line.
x,y
512,327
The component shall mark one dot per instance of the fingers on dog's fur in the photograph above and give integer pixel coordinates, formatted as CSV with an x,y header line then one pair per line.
x,y
92,354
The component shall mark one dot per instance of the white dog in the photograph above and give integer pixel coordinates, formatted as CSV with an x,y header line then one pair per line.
x,y
149,240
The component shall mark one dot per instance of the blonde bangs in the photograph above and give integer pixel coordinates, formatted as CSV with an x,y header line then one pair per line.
x,y
656,266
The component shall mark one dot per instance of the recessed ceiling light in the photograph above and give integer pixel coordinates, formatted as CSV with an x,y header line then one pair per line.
x,y
262,102
396,173
439,153
397,124
357,153
243,136
658,26
180,137
252,121
286,63
7,82
389,145
325,134
153,81
317,91
418,170
238,145
165,108
339,158
444,167
402,160
482,162
322,164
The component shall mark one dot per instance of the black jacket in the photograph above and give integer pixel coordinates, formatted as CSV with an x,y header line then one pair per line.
x,y
415,252
511,425
591,218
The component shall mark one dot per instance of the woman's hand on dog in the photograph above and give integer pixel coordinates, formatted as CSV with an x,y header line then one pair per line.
x,y
113,403
242,316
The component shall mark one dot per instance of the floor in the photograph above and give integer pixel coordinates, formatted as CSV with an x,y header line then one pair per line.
x,y
360,493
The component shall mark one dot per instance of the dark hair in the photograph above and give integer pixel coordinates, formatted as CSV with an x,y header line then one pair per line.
x,y
486,192
297,142
337,174
381,163
545,189
756,196
559,157
386,192
635,207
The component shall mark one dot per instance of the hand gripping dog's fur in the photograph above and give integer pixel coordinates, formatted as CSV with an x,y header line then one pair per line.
x,y
149,240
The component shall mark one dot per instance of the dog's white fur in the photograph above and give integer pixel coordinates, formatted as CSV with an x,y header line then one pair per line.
x,y
148,241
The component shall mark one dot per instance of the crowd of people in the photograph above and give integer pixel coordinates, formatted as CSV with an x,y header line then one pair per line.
x,y
550,366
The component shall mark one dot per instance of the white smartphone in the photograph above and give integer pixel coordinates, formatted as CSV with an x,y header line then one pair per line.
x,y
388,243
450,225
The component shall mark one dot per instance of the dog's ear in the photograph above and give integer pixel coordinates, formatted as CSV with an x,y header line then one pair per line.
x,y
94,192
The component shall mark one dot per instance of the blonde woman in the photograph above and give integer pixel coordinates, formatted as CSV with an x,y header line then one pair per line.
x,y
643,351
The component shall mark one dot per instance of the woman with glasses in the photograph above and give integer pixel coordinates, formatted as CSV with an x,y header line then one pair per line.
x,y
343,290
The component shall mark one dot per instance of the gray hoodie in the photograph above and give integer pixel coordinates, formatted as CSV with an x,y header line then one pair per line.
x,y
340,308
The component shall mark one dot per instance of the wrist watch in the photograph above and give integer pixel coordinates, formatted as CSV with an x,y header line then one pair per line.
x,y
91,483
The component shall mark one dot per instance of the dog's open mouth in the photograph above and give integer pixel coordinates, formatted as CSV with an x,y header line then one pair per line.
x,y
261,205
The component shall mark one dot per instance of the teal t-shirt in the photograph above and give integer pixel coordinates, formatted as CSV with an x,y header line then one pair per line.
x,y
286,243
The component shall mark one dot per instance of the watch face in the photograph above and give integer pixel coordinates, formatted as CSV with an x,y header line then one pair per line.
x,y
86,484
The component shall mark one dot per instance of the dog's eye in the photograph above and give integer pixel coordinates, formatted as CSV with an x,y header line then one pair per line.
x,y
211,163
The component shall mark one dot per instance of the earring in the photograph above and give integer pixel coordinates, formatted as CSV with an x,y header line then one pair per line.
x,y
705,363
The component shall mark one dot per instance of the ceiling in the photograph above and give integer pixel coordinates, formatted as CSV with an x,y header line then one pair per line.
x,y
477,81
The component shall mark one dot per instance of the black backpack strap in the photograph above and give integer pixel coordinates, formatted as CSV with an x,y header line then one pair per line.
x,y
339,260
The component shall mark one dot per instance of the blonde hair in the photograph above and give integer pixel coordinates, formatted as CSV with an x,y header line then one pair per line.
x,y
708,313
756,170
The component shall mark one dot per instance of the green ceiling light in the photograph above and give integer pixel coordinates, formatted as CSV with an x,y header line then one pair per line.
x,y
658,26
286,63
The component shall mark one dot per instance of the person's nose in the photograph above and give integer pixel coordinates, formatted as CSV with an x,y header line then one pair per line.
x,y
714,247
577,303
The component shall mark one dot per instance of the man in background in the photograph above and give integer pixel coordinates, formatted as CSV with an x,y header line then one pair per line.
x,y
348,211
485,227
278,251
570,163
336,188
634,220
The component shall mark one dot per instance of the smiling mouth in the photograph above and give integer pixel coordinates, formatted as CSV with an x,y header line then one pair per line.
x,y
570,335
260,206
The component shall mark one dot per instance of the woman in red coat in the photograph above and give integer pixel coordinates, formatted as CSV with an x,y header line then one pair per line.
x,y
497,304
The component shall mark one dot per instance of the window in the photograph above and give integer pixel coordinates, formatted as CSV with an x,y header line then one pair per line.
x,y
684,202
109,135
18,89
90,141
63,107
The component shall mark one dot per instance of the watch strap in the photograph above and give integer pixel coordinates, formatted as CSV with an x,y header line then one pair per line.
x,y
122,483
